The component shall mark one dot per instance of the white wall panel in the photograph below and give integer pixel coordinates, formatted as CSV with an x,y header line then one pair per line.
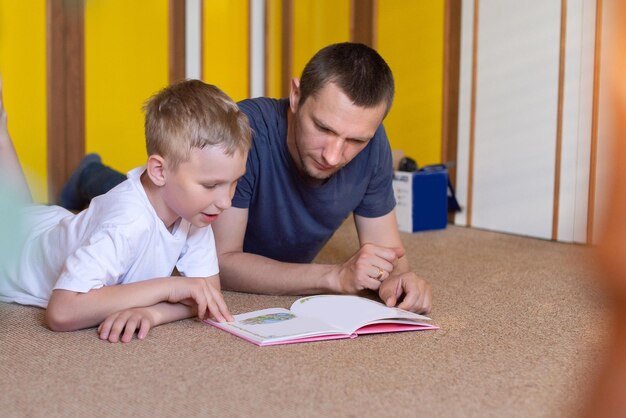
x,y
257,48
193,43
517,85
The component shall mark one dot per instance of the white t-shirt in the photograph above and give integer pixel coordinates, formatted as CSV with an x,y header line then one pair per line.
x,y
118,239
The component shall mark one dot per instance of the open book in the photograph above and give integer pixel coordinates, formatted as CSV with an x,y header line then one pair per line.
x,y
323,317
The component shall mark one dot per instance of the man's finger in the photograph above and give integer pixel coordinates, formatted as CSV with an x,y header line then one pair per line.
x,y
391,291
370,283
399,251
388,254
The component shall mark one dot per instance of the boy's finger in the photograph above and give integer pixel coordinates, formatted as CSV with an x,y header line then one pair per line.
x,y
129,330
211,305
103,332
105,328
143,329
221,305
202,306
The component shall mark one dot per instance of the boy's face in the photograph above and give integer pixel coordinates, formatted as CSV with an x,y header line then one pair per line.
x,y
199,189
328,130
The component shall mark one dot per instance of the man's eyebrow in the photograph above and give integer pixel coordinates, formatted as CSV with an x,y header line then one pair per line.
x,y
321,124
324,126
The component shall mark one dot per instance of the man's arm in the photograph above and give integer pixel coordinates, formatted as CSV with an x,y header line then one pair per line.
x,y
253,273
246,272
402,283
68,310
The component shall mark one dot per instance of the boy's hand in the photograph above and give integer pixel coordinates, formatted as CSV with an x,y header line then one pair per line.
x,y
367,268
125,323
206,294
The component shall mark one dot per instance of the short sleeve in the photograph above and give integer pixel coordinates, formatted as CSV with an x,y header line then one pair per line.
x,y
199,256
246,184
101,261
379,199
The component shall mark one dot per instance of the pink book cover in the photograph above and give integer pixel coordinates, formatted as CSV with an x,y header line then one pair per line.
x,y
320,318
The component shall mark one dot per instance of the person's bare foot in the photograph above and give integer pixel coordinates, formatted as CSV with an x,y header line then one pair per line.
x,y
4,132
10,169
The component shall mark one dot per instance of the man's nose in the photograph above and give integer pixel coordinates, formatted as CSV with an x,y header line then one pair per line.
x,y
333,150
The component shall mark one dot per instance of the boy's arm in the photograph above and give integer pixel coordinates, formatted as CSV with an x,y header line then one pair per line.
x,y
121,326
68,310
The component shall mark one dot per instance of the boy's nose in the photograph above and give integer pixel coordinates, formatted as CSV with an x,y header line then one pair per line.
x,y
225,201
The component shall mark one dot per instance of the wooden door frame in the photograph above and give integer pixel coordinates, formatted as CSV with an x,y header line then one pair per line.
x,y
451,81
66,83
65,91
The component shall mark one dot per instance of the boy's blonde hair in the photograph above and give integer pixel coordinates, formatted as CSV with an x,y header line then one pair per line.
x,y
192,114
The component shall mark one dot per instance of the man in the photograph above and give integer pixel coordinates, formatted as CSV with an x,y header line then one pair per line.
x,y
317,157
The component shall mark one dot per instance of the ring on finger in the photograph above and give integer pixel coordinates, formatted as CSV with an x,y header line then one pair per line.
x,y
381,272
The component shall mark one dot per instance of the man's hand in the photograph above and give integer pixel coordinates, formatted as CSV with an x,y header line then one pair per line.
x,y
125,323
417,292
205,293
367,268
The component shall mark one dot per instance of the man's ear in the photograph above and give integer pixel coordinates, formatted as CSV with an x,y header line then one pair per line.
x,y
294,94
155,167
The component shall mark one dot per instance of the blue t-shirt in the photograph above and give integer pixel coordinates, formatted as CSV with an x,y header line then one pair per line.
x,y
288,219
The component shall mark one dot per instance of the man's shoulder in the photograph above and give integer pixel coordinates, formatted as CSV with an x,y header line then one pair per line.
x,y
260,108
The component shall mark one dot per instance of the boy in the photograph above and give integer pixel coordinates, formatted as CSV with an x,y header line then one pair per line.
x,y
111,264
317,157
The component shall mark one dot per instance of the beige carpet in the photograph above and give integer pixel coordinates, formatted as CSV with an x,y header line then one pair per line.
x,y
522,329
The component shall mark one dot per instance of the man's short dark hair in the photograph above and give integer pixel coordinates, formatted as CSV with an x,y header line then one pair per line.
x,y
358,70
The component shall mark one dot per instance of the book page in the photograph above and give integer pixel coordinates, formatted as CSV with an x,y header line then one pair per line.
x,y
350,313
275,324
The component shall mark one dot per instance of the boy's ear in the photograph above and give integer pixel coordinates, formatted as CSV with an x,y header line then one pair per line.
x,y
155,168
294,94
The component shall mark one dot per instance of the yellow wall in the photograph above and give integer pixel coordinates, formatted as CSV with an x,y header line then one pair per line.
x,y
23,68
126,62
274,48
410,38
226,46
317,23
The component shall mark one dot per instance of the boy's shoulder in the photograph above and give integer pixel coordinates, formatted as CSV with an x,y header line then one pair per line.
x,y
125,204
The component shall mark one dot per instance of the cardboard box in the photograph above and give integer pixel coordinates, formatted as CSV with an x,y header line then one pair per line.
x,y
421,199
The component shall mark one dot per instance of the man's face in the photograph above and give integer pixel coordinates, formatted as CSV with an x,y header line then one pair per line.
x,y
327,131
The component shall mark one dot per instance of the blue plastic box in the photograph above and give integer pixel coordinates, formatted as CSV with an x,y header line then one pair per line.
x,y
421,199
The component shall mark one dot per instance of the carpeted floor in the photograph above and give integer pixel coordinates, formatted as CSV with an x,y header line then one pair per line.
x,y
522,329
